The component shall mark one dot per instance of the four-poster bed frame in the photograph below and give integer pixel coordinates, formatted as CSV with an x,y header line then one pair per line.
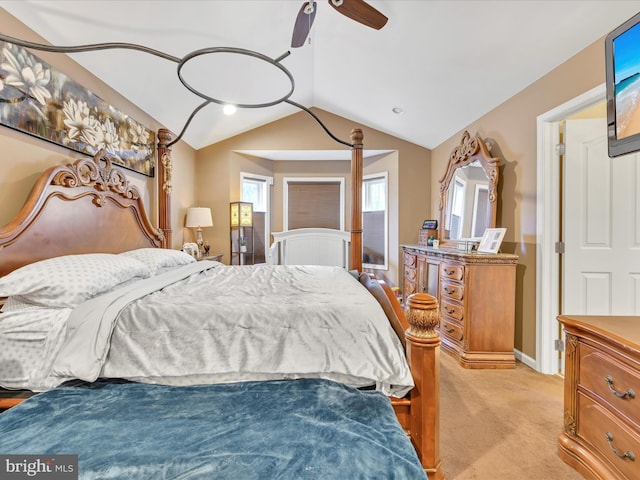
x,y
419,412
89,207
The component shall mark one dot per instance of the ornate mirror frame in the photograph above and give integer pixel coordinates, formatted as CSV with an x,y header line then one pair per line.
x,y
470,150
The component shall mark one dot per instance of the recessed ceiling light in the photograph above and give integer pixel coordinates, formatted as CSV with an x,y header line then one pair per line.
x,y
229,109
398,110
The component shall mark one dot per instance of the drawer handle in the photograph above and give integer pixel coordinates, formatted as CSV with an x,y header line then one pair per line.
x,y
629,393
449,272
450,291
628,454
449,329
449,310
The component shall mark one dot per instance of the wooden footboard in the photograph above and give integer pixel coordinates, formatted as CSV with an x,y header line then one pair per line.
x,y
310,246
418,412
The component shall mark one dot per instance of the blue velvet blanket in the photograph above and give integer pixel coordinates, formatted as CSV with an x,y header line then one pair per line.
x,y
298,429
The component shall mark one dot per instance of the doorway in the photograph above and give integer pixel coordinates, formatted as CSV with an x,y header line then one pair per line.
x,y
601,264
563,281
548,206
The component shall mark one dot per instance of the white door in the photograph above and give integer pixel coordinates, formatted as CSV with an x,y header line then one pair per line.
x,y
601,263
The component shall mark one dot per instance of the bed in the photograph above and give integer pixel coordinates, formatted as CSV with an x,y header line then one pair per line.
x,y
105,362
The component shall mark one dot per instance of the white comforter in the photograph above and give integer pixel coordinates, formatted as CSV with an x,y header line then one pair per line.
x,y
233,324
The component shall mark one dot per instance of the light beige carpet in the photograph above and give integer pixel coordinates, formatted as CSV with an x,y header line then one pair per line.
x,y
500,424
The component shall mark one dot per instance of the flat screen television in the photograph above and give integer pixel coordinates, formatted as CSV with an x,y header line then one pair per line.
x,y
622,57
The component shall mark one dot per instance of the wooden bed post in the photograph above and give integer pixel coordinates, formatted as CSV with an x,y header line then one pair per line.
x,y
356,199
423,354
165,170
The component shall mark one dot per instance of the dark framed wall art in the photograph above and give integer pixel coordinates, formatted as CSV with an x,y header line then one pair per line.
x,y
40,101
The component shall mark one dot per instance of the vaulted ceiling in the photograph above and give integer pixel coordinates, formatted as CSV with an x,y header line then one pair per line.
x,y
442,63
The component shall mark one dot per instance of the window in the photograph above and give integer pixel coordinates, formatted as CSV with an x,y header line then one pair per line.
x,y
374,194
255,191
313,202
480,206
375,238
457,209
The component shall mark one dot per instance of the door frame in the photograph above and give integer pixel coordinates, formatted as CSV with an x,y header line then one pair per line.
x,y
548,226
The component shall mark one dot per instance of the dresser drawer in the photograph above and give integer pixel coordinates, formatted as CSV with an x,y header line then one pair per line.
x,y
409,288
451,328
410,274
451,309
452,271
613,438
610,380
451,290
409,260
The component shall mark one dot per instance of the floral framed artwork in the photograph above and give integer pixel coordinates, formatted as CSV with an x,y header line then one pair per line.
x,y
40,101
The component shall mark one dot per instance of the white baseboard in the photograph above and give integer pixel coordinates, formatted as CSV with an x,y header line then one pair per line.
x,y
526,359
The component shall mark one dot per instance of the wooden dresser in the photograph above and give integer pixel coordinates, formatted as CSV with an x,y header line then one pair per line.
x,y
601,435
476,293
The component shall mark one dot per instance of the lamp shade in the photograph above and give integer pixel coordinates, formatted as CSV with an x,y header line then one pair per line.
x,y
241,214
199,217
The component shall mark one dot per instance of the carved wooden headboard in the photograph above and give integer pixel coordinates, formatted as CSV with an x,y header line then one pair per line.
x,y
86,207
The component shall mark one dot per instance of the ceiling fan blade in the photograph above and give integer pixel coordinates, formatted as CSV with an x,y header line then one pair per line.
x,y
304,20
361,12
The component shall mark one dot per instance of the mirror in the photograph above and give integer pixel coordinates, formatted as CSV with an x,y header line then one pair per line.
x,y
468,191
466,202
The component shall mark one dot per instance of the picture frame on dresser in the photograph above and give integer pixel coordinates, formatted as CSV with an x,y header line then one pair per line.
x,y
491,240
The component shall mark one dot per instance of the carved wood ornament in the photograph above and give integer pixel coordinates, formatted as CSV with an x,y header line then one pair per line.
x,y
96,172
165,174
423,315
168,170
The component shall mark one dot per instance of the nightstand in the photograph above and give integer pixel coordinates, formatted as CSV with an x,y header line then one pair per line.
x,y
216,257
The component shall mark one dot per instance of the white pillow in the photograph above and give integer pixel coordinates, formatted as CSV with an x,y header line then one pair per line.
x,y
71,279
159,258
14,304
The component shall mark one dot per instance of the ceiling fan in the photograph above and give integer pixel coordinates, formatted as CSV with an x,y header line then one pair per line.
x,y
357,10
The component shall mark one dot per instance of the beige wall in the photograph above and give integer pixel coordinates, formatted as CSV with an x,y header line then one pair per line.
x,y
23,157
219,167
512,126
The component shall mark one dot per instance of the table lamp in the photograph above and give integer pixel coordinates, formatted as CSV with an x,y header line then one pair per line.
x,y
198,217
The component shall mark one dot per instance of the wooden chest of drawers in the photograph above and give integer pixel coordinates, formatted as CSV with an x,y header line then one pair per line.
x,y
476,293
601,435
